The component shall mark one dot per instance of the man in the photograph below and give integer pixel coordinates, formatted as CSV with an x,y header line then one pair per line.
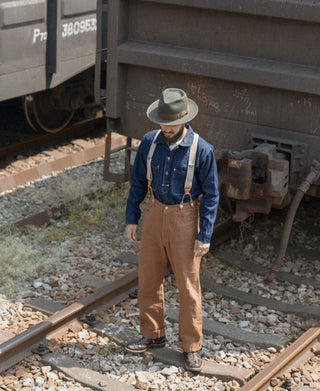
x,y
175,166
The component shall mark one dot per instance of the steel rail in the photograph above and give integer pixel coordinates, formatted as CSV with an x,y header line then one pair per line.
x,y
21,345
260,382
59,162
74,130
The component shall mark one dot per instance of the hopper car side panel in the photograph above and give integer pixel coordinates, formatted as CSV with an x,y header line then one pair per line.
x,y
253,68
44,43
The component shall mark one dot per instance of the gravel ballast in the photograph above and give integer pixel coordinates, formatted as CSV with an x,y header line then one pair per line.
x,y
89,241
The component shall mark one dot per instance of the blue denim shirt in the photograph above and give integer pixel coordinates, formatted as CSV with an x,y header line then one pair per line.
x,y
169,170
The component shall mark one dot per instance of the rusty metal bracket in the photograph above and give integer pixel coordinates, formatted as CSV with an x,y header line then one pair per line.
x,y
256,179
295,150
117,177
114,127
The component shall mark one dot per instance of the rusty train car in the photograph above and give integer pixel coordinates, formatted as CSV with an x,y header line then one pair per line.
x,y
253,68
47,57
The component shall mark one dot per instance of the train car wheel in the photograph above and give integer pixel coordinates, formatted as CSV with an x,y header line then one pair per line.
x,y
41,114
27,104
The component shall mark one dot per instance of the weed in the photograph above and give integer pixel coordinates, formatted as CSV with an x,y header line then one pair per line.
x,y
76,210
110,344
52,234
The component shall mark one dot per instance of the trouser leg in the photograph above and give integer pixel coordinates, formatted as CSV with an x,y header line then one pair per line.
x,y
152,267
182,233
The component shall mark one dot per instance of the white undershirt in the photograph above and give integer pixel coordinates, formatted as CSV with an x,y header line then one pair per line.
x,y
175,145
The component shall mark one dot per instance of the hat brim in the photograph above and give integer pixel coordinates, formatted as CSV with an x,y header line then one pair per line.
x,y
152,114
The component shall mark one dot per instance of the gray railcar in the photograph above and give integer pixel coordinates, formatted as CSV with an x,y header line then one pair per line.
x,y
47,56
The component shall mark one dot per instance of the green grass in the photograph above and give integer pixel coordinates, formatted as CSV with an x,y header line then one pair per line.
x,y
25,257
21,260
104,208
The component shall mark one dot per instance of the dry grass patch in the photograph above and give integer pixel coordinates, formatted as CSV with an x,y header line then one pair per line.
x,y
26,257
22,260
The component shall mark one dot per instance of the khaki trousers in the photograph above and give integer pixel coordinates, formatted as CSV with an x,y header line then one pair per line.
x,y
168,234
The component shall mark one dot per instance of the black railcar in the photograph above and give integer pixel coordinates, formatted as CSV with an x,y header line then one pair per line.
x,y
253,68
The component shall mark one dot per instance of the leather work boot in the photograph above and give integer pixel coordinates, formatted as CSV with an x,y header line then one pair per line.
x,y
194,362
145,343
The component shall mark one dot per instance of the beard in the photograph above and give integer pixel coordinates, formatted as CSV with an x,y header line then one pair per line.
x,y
173,139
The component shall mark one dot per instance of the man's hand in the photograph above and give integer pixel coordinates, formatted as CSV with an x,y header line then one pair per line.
x,y
200,248
131,232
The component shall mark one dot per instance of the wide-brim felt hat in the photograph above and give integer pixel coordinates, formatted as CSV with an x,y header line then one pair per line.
x,y
173,108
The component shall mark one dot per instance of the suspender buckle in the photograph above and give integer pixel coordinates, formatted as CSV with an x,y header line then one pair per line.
x,y
150,191
186,193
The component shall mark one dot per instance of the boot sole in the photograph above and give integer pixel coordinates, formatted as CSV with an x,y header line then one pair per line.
x,y
192,369
145,349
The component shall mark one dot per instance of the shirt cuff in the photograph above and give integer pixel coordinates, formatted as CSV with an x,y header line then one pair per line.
x,y
203,237
131,220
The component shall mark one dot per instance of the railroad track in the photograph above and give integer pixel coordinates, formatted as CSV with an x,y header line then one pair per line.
x,y
60,320
216,290
297,354
38,140
75,152
20,346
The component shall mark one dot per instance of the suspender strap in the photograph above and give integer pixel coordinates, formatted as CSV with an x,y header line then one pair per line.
x,y
190,171
149,158
191,163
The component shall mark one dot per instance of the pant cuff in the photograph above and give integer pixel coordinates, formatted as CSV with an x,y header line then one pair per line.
x,y
153,334
187,347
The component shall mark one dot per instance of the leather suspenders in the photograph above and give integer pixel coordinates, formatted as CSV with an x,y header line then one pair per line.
x,y
149,158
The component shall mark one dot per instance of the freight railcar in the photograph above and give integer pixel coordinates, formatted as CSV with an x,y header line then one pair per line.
x,y
47,57
253,68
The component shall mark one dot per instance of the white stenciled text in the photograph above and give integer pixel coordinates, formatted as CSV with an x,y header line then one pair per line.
x,y
68,29
79,27
39,36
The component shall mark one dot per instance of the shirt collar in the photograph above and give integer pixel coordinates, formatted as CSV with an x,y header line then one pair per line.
x,y
187,139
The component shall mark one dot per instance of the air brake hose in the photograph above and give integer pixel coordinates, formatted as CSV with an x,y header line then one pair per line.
x,y
311,178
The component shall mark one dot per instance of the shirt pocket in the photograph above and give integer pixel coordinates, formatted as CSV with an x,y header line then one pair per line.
x,y
178,180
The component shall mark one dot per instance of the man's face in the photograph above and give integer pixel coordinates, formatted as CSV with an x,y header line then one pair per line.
x,y
172,133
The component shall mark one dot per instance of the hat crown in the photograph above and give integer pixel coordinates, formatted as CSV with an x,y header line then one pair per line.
x,y
173,107
173,101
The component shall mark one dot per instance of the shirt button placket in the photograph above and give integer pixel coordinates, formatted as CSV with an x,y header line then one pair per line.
x,y
167,168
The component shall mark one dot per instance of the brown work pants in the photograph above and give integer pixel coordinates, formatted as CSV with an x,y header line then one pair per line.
x,y
169,233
